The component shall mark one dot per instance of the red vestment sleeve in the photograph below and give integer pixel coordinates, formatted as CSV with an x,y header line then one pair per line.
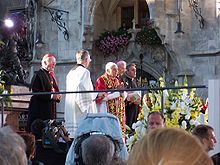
x,y
100,85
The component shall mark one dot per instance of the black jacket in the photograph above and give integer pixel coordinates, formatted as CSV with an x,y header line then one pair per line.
x,y
41,106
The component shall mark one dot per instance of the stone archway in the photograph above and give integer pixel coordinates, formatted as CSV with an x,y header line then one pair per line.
x,y
157,59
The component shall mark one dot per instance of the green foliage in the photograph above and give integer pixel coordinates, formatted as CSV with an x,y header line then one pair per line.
x,y
148,36
6,99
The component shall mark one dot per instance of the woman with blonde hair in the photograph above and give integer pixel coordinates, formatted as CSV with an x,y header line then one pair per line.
x,y
168,146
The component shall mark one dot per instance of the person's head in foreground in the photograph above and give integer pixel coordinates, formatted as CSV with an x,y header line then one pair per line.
x,y
98,149
206,135
12,148
29,140
168,146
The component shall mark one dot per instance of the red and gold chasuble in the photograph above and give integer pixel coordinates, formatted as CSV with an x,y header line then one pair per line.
x,y
115,106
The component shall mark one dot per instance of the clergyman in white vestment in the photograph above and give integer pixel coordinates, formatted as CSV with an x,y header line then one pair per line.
x,y
77,105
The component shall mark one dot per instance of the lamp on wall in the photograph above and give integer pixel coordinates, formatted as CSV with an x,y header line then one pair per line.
x,y
179,24
39,42
194,5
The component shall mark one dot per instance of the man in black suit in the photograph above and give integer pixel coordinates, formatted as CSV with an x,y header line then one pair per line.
x,y
44,106
132,102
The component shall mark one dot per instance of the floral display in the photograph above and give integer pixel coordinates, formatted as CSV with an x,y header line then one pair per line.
x,y
181,109
148,36
6,99
112,42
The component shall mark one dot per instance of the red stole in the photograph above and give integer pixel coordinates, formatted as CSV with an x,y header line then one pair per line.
x,y
53,82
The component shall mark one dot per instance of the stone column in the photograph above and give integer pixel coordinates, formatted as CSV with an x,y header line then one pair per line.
x,y
171,6
152,8
136,11
118,17
214,110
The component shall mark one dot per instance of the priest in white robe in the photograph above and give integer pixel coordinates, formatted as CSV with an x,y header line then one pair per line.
x,y
77,105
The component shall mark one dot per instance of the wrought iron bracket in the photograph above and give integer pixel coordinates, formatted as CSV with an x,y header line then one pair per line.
x,y
194,5
56,16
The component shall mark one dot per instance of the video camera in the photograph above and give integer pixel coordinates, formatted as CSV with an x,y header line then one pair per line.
x,y
54,134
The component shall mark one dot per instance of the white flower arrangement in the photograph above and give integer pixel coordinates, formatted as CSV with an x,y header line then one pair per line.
x,y
181,108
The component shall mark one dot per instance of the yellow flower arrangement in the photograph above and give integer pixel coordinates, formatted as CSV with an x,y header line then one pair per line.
x,y
6,99
181,109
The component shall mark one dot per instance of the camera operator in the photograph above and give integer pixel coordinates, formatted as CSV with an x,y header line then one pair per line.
x,y
52,142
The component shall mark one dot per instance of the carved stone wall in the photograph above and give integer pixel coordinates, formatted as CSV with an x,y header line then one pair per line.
x,y
156,59
197,50
55,43
195,53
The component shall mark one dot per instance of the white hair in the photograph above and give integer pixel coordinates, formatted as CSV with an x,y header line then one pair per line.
x,y
109,65
121,62
12,148
45,58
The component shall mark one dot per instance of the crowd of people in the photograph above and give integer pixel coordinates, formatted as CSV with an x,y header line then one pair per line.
x,y
95,123
97,143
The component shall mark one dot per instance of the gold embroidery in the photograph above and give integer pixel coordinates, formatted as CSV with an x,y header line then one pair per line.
x,y
115,106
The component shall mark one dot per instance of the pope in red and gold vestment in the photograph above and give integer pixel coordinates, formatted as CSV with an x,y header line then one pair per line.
x,y
114,101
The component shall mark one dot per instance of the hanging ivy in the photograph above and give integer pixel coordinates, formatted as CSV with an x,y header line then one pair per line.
x,y
148,36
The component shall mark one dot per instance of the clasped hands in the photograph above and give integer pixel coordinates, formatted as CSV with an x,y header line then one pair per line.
x,y
57,97
121,87
102,95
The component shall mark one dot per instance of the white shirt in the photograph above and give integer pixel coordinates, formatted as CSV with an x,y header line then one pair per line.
x,y
77,105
